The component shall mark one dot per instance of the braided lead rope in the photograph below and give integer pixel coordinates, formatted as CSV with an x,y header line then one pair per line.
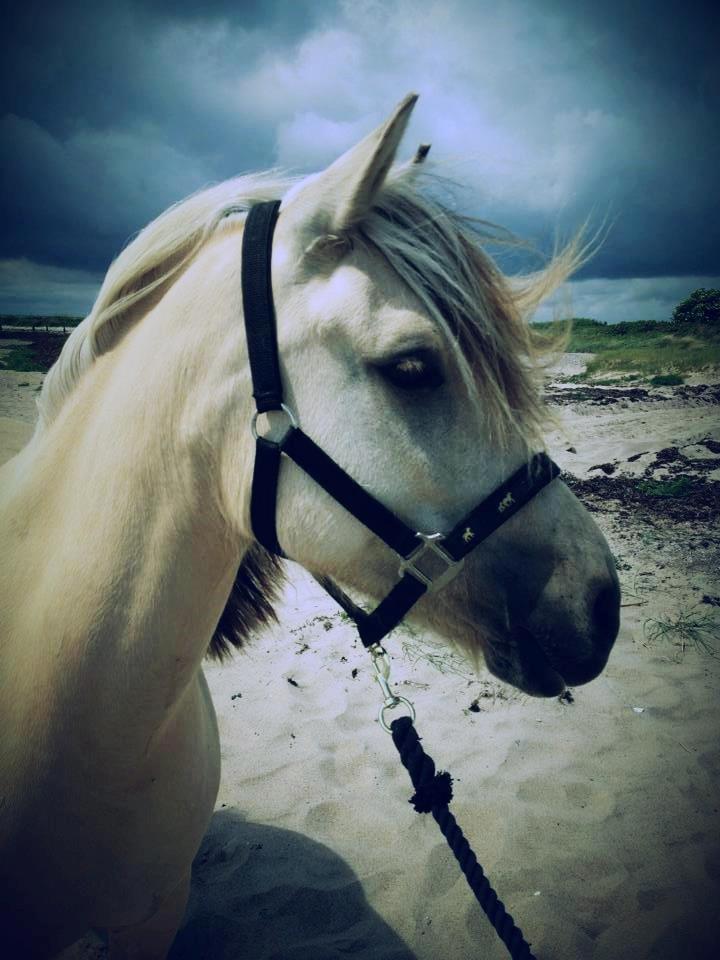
x,y
433,793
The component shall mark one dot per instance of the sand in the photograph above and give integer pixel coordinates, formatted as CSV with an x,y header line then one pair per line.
x,y
595,819
18,392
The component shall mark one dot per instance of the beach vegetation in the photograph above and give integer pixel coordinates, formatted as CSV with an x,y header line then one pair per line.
x,y
23,359
643,348
687,628
38,354
701,307
679,486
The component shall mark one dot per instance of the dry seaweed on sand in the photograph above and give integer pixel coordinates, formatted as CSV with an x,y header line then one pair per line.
x,y
683,497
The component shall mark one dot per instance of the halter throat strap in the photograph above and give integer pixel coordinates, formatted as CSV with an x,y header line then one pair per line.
x,y
427,562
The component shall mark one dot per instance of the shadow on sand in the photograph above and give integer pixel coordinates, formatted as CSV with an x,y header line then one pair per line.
x,y
263,893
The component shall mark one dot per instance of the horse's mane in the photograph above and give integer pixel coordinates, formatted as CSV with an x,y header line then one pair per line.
x,y
144,271
437,252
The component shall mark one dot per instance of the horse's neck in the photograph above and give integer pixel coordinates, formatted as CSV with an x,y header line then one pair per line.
x,y
120,560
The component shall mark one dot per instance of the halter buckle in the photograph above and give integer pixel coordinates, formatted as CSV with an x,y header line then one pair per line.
x,y
430,549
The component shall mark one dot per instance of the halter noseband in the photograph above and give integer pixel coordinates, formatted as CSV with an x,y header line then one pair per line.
x,y
446,552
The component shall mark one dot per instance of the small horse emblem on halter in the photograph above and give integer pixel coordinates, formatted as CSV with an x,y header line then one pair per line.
x,y
506,501
468,535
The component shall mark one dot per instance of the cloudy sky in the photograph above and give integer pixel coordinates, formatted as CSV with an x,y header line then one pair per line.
x,y
544,113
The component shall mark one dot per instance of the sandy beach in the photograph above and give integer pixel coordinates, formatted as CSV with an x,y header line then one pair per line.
x,y
595,816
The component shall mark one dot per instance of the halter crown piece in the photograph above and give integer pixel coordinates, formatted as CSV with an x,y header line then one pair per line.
x,y
427,561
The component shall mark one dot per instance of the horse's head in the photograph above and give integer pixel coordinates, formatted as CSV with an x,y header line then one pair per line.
x,y
403,356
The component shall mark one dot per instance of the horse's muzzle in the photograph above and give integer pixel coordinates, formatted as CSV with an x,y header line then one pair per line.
x,y
547,654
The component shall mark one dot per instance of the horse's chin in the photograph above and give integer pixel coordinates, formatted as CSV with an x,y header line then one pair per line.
x,y
521,661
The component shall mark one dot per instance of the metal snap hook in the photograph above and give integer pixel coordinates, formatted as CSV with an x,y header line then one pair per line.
x,y
381,664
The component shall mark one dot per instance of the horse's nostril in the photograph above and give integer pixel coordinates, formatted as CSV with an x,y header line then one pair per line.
x,y
606,613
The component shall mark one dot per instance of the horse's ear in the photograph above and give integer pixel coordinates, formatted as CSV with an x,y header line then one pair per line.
x,y
338,198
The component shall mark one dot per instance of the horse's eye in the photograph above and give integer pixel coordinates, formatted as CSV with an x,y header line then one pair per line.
x,y
413,372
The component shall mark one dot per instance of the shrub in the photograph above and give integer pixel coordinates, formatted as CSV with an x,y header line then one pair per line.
x,y
702,306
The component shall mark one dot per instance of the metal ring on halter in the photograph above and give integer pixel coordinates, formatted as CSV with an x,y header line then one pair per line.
x,y
390,705
292,425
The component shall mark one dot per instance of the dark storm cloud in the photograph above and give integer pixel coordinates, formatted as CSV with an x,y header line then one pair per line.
x,y
107,115
660,72
109,112
103,123
670,45
121,62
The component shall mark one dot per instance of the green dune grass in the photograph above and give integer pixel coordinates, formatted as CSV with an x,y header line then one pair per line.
x,y
663,351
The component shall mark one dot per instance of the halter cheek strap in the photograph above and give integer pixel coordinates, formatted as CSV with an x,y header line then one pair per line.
x,y
427,561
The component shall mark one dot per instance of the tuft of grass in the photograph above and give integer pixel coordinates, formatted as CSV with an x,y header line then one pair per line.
x,y
673,487
687,628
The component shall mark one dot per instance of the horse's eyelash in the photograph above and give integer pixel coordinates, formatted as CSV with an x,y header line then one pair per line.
x,y
412,371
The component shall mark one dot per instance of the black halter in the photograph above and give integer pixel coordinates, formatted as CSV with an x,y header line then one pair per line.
x,y
427,561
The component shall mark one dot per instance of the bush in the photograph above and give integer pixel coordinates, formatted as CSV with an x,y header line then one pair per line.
x,y
702,306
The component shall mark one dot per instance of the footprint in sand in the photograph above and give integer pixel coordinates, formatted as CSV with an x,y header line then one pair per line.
x,y
590,800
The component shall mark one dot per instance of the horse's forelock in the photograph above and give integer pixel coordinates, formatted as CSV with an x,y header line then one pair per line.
x,y
483,313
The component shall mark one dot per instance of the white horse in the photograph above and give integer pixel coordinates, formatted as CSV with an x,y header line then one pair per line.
x,y
406,355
